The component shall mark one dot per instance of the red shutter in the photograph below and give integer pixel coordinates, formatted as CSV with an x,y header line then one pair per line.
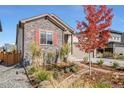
x,y
54,38
38,37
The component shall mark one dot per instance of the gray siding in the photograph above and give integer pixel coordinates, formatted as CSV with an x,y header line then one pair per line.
x,y
115,37
119,50
122,38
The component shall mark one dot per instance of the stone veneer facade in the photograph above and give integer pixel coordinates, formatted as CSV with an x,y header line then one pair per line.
x,y
41,24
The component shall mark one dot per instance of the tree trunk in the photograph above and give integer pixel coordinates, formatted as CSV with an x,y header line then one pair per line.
x,y
89,65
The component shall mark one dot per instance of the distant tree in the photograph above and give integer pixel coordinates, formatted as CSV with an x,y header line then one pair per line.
x,y
95,31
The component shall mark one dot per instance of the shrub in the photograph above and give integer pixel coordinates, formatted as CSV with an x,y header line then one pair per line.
x,y
64,52
35,50
62,65
100,62
102,85
50,57
85,59
32,69
67,70
35,53
49,67
115,56
107,54
115,65
57,74
42,75
73,69
120,57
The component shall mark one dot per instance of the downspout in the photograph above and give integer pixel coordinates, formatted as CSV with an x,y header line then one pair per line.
x,y
71,43
23,42
62,37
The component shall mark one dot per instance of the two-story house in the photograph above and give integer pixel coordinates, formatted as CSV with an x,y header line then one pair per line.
x,y
115,45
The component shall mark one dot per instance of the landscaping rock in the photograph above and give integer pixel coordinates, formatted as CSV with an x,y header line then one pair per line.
x,y
10,79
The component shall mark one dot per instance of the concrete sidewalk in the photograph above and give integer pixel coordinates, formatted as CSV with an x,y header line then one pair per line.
x,y
108,61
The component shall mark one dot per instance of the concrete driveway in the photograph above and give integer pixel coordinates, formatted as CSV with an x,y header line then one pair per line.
x,y
94,60
108,61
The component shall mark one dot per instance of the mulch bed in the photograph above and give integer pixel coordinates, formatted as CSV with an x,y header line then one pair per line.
x,y
65,75
35,83
104,79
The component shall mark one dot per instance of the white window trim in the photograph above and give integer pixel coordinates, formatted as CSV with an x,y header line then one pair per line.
x,y
46,37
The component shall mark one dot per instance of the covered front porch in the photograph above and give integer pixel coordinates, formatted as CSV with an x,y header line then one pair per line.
x,y
68,39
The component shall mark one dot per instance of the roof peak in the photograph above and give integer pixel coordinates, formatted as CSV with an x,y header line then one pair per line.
x,y
51,16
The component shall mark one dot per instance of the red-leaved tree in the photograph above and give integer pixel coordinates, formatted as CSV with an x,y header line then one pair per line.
x,y
94,32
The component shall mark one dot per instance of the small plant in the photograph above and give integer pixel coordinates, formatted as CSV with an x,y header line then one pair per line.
x,y
42,75
115,65
115,56
120,57
67,70
100,62
85,59
50,57
35,50
64,52
73,69
107,55
32,69
57,74
102,85
35,53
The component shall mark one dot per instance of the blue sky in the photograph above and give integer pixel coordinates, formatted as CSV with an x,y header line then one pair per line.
x,y
10,15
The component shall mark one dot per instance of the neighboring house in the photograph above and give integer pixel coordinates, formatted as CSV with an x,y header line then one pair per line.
x,y
1,48
115,45
9,47
49,31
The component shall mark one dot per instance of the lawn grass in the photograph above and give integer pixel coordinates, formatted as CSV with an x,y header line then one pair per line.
x,y
120,57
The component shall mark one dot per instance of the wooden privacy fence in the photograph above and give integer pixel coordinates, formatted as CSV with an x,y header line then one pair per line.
x,y
10,58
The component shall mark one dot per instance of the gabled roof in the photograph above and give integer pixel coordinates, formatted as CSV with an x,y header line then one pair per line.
x,y
51,17
112,31
118,32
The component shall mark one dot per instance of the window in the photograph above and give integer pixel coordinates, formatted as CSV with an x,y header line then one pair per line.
x,y
118,38
114,38
43,38
49,38
46,38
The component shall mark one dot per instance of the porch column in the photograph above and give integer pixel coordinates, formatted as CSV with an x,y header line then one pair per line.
x,y
62,37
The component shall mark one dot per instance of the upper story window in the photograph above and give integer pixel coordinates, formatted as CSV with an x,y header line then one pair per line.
x,y
114,38
118,38
46,38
